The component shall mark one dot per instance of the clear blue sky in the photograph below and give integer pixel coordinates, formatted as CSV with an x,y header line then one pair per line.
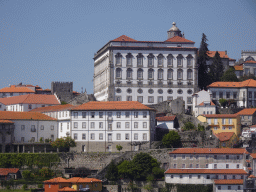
x,y
55,40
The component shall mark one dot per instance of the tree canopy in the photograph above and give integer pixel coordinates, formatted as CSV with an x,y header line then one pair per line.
x,y
171,139
216,68
65,142
203,77
230,75
112,172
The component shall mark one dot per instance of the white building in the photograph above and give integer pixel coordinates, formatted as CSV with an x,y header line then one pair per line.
x,y
166,122
62,114
248,55
244,93
14,90
100,126
202,103
27,102
146,71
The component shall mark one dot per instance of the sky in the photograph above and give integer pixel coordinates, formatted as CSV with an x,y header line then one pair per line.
x,y
55,40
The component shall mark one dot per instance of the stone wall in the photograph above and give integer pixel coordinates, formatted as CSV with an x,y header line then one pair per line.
x,y
64,90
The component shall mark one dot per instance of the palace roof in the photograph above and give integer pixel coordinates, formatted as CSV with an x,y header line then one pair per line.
x,y
246,83
11,115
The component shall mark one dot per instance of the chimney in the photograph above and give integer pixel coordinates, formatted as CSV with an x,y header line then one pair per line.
x,y
226,52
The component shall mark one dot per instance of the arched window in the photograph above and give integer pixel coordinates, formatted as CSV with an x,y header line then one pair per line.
x,y
129,73
180,74
170,74
189,60
170,60
160,60
189,74
179,60
129,59
150,60
118,73
118,57
160,74
140,60
150,74
140,74
250,58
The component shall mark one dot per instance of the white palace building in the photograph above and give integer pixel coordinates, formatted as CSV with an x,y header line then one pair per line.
x,y
146,71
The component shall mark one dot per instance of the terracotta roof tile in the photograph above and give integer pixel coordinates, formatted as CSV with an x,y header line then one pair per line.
x,y
11,115
229,181
14,89
248,161
124,38
6,171
66,189
247,111
166,118
82,180
250,61
209,151
56,180
249,168
53,108
202,104
251,176
178,39
207,171
112,105
31,99
224,136
253,155
6,121
222,54
239,67
246,83
220,115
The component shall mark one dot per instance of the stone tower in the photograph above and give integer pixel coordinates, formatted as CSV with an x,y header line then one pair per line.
x,y
64,90
174,31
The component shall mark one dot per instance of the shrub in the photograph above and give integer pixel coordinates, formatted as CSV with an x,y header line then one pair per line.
x,y
27,174
25,186
223,102
188,126
200,127
119,147
40,186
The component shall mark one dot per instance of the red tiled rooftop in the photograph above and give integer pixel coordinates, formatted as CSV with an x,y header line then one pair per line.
x,y
253,155
224,136
112,105
247,111
222,54
209,151
239,67
11,115
6,171
250,61
124,38
53,108
220,115
207,171
246,83
251,176
166,118
229,181
6,121
56,180
14,89
202,104
82,180
178,39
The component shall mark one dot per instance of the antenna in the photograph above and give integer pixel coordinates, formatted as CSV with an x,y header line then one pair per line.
x,y
82,89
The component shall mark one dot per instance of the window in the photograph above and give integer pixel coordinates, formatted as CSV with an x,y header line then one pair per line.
x,y
227,156
229,187
170,60
83,125
198,176
23,127
219,187
237,157
206,165
135,136
129,98
83,114
135,114
180,74
189,100
118,114
160,74
144,114
190,165
238,187
242,177
136,125
100,114
127,125
150,99
234,95
181,176
160,60
29,106
233,177
83,136
110,126
174,166
118,59
144,124
129,73
189,74
150,60
227,166
101,136
183,166
183,156
127,114
247,71
139,60
92,125
140,74
223,121
118,136
169,98
140,99
190,176
22,139
52,137
127,136
118,73
220,95
227,95
118,98
67,126
118,125
189,60
207,176
129,59
160,99
144,136
170,74
215,166
109,114
75,124
92,114
151,74
197,165
75,136
75,115
174,156
171,177
179,60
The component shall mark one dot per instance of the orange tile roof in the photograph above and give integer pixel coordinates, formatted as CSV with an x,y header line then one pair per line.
x,y
249,168
247,111
112,105
83,180
56,180
246,83
202,104
6,121
250,61
239,67
11,115
207,171
31,99
229,181
224,136
53,108
253,155
66,189
124,38
6,171
209,151
220,115
251,176
14,89
178,39
252,126
166,118
222,54
248,161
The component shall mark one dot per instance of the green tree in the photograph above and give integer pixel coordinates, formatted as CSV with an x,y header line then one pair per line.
x,y
216,68
203,77
65,142
230,75
112,172
171,139
119,147
223,102
188,126
200,127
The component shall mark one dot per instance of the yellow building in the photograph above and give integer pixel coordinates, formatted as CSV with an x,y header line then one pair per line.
x,y
222,123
